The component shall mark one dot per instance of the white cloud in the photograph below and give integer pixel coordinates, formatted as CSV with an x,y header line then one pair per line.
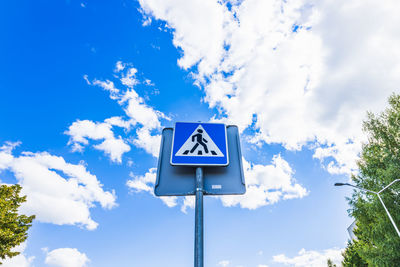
x,y
5,154
266,185
66,257
57,192
224,263
150,143
20,260
342,153
311,258
148,82
107,86
170,201
144,119
136,109
200,37
120,122
114,148
81,131
146,183
129,78
143,183
119,66
307,71
188,202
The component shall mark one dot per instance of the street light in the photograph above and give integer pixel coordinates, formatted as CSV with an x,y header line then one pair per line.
x,y
378,194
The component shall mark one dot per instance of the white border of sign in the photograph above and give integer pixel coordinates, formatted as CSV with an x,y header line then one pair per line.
x,y
199,164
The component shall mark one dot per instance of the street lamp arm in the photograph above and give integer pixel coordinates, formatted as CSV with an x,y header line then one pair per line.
x,y
397,180
380,199
355,186
367,190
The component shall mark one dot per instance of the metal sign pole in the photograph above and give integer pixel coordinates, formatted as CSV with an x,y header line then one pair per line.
x,y
198,239
216,152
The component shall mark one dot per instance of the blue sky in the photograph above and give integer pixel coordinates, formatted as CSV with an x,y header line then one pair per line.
x,y
87,86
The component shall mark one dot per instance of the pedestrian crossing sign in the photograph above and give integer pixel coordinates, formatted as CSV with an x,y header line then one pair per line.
x,y
199,144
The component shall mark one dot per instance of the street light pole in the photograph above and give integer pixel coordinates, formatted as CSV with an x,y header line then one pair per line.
x,y
390,217
379,197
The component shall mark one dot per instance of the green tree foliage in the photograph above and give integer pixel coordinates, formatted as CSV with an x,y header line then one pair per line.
x,y
351,257
330,263
378,243
13,227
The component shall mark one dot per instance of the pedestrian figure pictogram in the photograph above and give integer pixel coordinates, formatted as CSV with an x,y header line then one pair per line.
x,y
199,144
199,138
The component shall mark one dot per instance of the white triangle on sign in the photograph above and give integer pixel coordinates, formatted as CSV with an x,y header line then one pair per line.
x,y
199,144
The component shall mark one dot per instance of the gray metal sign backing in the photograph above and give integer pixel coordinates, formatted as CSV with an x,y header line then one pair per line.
x,y
180,180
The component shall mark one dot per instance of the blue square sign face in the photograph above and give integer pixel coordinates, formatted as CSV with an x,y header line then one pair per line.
x,y
199,144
